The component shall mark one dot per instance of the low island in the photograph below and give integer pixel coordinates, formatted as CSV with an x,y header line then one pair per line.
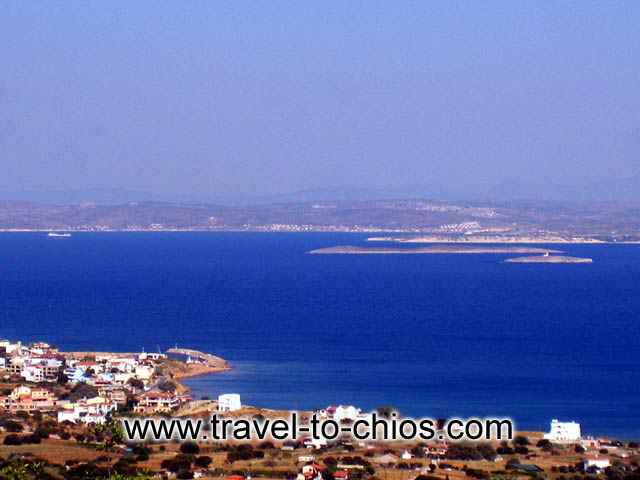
x,y
549,259
439,249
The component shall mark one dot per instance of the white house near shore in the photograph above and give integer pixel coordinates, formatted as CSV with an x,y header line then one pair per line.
x,y
596,463
229,402
93,410
346,412
563,431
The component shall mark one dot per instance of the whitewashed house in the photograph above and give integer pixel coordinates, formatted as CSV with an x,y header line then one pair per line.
x,y
41,369
11,347
93,410
316,443
597,463
32,373
144,372
346,412
229,402
563,431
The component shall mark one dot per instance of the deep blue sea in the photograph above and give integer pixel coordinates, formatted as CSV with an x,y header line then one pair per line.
x,y
433,335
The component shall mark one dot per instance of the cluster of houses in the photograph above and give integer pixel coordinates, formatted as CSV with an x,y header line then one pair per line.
x,y
36,363
133,379
27,399
116,379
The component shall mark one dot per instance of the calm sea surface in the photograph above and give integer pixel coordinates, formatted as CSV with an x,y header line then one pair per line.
x,y
433,335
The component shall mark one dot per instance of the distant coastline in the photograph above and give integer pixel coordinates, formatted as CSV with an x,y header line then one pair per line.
x,y
401,220
470,240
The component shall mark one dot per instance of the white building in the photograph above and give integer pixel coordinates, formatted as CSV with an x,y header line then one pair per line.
x,y
596,462
11,347
563,431
93,410
346,412
33,374
41,369
229,402
144,372
316,443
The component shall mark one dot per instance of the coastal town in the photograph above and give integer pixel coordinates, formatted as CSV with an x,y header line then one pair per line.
x,y
419,220
60,418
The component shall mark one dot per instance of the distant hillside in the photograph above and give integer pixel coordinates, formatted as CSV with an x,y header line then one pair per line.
x,y
527,218
617,190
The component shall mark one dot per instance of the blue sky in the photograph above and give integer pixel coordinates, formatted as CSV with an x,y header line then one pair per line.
x,y
274,96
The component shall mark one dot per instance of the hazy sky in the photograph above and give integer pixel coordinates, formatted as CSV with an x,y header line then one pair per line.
x,y
270,96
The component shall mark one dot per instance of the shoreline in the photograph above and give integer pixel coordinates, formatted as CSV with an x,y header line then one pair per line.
x,y
335,229
205,363
177,370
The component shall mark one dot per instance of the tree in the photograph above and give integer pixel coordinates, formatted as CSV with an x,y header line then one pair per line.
x,y
177,463
12,439
463,451
511,463
487,451
13,471
521,440
479,474
135,383
166,385
42,431
37,468
82,390
203,461
545,445
11,426
505,450
190,448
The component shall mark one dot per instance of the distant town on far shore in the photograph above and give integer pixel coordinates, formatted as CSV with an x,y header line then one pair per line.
x,y
434,221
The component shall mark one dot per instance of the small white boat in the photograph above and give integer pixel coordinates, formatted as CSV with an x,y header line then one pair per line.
x,y
59,235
